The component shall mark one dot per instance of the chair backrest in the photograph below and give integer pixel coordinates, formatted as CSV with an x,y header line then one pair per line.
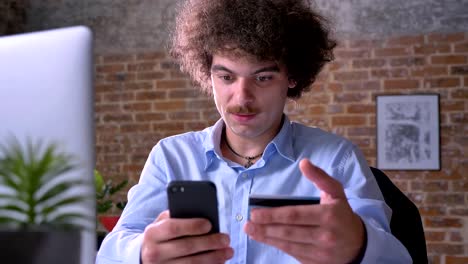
x,y
406,224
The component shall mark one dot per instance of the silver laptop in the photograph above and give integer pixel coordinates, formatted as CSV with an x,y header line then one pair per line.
x,y
46,93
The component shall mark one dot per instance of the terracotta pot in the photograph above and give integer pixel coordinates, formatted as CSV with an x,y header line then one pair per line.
x,y
109,221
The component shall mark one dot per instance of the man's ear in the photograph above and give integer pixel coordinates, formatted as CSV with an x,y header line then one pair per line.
x,y
292,83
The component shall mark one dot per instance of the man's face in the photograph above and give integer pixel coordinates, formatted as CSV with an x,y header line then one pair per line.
x,y
250,95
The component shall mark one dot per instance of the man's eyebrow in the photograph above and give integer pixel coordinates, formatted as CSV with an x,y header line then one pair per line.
x,y
272,68
218,67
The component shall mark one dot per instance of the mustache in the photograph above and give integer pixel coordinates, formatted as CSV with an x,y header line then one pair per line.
x,y
242,109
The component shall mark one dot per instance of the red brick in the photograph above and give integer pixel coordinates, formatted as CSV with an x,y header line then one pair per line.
x,y
461,47
316,110
117,117
429,71
171,84
455,237
137,106
335,109
361,131
360,108
460,186
442,82
448,59
432,210
150,95
201,104
117,58
169,126
429,186
335,87
362,85
432,49
144,117
452,106
434,236
184,93
408,62
401,84
153,75
368,63
348,120
456,260
110,68
352,54
139,86
118,96
337,65
120,77
170,105
100,88
351,76
183,115
459,93
459,211
459,118
350,97
438,222
445,198
444,248
169,65
142,66
459,70
131,128
103,108
389,73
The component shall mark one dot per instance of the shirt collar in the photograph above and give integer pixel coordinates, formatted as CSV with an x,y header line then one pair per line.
x,y
281,143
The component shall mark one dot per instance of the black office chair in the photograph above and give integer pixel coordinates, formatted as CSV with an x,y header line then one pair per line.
x,y
406,224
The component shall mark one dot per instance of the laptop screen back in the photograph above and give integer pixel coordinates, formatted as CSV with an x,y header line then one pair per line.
x,y
46,94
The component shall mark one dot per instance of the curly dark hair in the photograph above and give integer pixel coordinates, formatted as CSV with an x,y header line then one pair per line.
x,y
285,31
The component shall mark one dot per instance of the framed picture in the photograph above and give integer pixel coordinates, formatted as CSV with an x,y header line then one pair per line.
x,y
408,132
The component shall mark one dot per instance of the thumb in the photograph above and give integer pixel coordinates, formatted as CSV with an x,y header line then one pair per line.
x,y
331,188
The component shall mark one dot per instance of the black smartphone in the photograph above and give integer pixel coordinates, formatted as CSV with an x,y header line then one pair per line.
x,y
194,199
280,200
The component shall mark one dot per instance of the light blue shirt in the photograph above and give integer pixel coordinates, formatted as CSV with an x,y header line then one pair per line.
x,y
197,156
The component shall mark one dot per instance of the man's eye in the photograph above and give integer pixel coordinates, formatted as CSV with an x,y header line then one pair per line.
x,y
225,77
263,78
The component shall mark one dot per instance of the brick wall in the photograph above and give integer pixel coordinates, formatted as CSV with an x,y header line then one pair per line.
x,y
141,98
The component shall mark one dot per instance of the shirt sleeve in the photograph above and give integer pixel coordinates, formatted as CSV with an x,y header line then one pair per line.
x,y
366,200
146,200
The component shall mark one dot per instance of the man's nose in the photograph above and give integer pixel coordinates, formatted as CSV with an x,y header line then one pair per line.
x,y
244,91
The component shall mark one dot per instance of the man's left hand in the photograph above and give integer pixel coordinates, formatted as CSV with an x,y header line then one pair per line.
x,y
326,233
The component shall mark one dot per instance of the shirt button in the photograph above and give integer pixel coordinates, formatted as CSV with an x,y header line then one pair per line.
x,y
245,175
239,217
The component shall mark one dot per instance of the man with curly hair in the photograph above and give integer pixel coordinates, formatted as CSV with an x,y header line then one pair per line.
x,y
251,56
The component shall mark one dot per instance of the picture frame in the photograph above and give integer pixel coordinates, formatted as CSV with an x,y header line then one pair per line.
x,y
408,132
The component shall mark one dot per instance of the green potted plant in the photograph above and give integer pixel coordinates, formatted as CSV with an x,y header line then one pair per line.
x,y
106,204
39,220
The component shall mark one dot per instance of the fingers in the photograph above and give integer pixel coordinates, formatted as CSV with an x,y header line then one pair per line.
x,y
331,188
297,215
171,228
300,234
186,246
217,256
305,253
163,215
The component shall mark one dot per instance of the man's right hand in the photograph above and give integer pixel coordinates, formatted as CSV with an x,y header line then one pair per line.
x,y
171,240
